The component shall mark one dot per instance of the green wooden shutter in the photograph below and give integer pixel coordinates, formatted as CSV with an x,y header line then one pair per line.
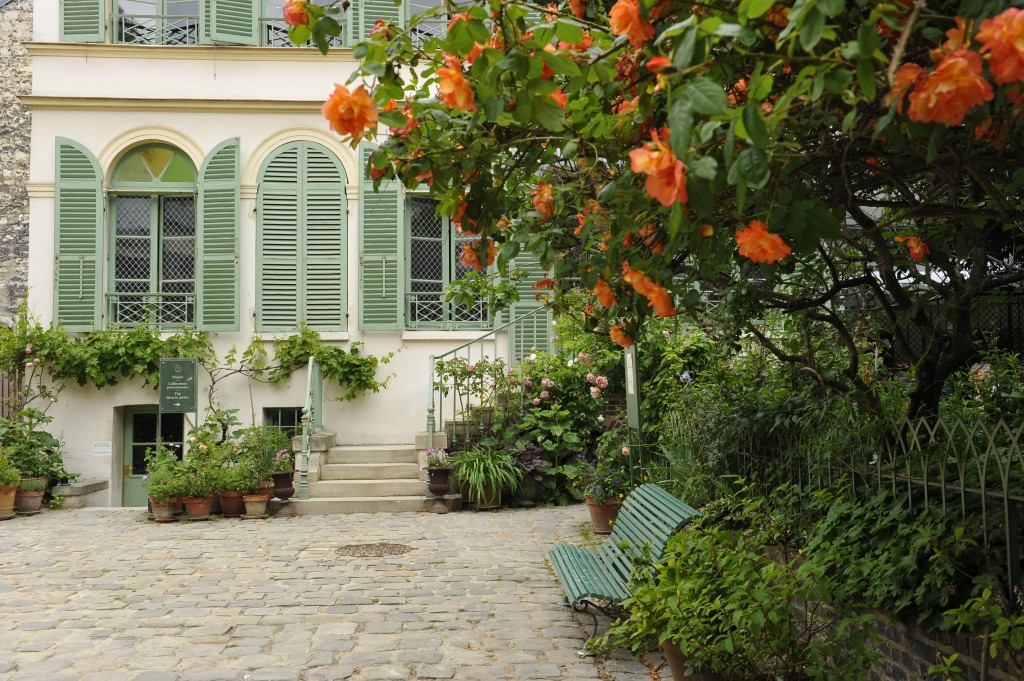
x,y
325,295
78,223
205,23
381,270
235,22
82,21
278,243
371,10
533,331
219,215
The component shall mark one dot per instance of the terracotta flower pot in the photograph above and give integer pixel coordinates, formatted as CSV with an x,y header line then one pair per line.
x,y
28,503
163,511
198,508
7,495
231,504
602,514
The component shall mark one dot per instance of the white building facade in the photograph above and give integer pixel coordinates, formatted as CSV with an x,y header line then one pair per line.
x,y
181,175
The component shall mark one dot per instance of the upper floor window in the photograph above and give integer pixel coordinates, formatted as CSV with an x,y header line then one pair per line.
x,y
226,22
434,248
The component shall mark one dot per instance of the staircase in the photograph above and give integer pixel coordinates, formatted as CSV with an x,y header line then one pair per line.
x,y
365,479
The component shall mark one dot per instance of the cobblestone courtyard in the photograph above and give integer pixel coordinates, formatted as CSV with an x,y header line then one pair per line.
x,y
105,595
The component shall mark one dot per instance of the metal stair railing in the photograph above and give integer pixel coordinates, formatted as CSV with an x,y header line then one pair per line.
x,y
312,420
432,410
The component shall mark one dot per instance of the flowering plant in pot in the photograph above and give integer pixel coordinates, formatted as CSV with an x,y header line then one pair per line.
x,y
438,470
10,476
236,476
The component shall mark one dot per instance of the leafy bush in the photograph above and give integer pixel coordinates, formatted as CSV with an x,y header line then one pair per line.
x,y
164,474
33,451
733,610
9,473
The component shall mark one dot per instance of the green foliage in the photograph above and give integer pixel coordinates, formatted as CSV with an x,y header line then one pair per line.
x,y
732,610
355,373
262,444
34,451
9,473
990,616
485,471
33,485
910,563
55,503
164,474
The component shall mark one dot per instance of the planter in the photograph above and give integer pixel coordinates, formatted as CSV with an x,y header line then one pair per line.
x,y
163,511
265,487
7,495
255,505
677,665
528,491
283,484
602,515
231,504
489,498
28,503
439,480
198,508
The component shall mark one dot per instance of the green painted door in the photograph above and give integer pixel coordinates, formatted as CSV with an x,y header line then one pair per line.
x,y
140,435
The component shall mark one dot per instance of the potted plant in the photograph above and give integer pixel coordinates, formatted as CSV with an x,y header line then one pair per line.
x,y
199,482
29,495
606,483
10,476
283,473
33,451
485,473
164,474
438,471
235,477
263,443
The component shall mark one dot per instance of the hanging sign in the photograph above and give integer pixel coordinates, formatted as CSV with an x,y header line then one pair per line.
x,y
178,385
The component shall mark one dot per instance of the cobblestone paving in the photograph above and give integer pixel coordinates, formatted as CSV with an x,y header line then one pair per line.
x,y
105,595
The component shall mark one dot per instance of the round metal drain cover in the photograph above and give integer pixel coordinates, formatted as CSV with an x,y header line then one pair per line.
x,y
373,550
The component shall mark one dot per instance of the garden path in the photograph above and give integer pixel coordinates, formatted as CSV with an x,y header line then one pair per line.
x,y
105,595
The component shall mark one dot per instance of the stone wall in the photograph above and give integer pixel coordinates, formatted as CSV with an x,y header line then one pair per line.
x,y
15,125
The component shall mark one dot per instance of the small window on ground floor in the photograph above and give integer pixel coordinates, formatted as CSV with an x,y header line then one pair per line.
x,y
288,419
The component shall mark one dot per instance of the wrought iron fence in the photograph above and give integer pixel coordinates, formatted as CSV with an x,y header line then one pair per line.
x,y
974,470
156,29
430,310
162,309
274,33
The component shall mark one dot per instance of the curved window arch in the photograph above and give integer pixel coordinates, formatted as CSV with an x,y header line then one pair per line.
x,y
302,240
153,238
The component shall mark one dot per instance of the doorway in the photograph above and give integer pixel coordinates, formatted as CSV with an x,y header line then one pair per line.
x,y
140,435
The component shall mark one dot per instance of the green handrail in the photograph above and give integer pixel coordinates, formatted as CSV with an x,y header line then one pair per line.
x,y
431,424
312,415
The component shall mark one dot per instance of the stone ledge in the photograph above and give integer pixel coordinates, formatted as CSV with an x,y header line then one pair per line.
x,y
81,487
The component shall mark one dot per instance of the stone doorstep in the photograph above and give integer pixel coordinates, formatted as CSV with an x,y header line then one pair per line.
x,y
76,493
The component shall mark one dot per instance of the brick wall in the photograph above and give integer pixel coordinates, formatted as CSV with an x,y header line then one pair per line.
x,y
15,122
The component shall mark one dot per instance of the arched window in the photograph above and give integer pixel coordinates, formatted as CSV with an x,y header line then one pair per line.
x,y
153,238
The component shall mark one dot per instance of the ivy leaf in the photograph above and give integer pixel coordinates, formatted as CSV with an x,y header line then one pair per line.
x,y
706,97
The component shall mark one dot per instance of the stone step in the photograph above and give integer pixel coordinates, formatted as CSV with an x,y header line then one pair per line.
x,y
382,504
367,488
370,471
400,453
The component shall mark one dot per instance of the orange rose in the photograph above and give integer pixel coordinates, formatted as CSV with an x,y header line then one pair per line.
x,y
620,337
706,230
661,301
955,87
657,297
455,90
295,13
626,20
906,75
604,293
1003,37
350,113
666,178
470,256
624,107
544,200
760,245
578,8
916,248
658,64
559,97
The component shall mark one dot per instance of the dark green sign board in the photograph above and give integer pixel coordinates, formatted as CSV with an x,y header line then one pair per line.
x,y
178,386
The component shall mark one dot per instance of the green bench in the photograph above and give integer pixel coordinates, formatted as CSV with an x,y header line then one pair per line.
x,y
598,578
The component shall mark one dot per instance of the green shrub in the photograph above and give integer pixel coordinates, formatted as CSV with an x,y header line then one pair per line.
x,y
733,610
164,474
483,471
9,473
